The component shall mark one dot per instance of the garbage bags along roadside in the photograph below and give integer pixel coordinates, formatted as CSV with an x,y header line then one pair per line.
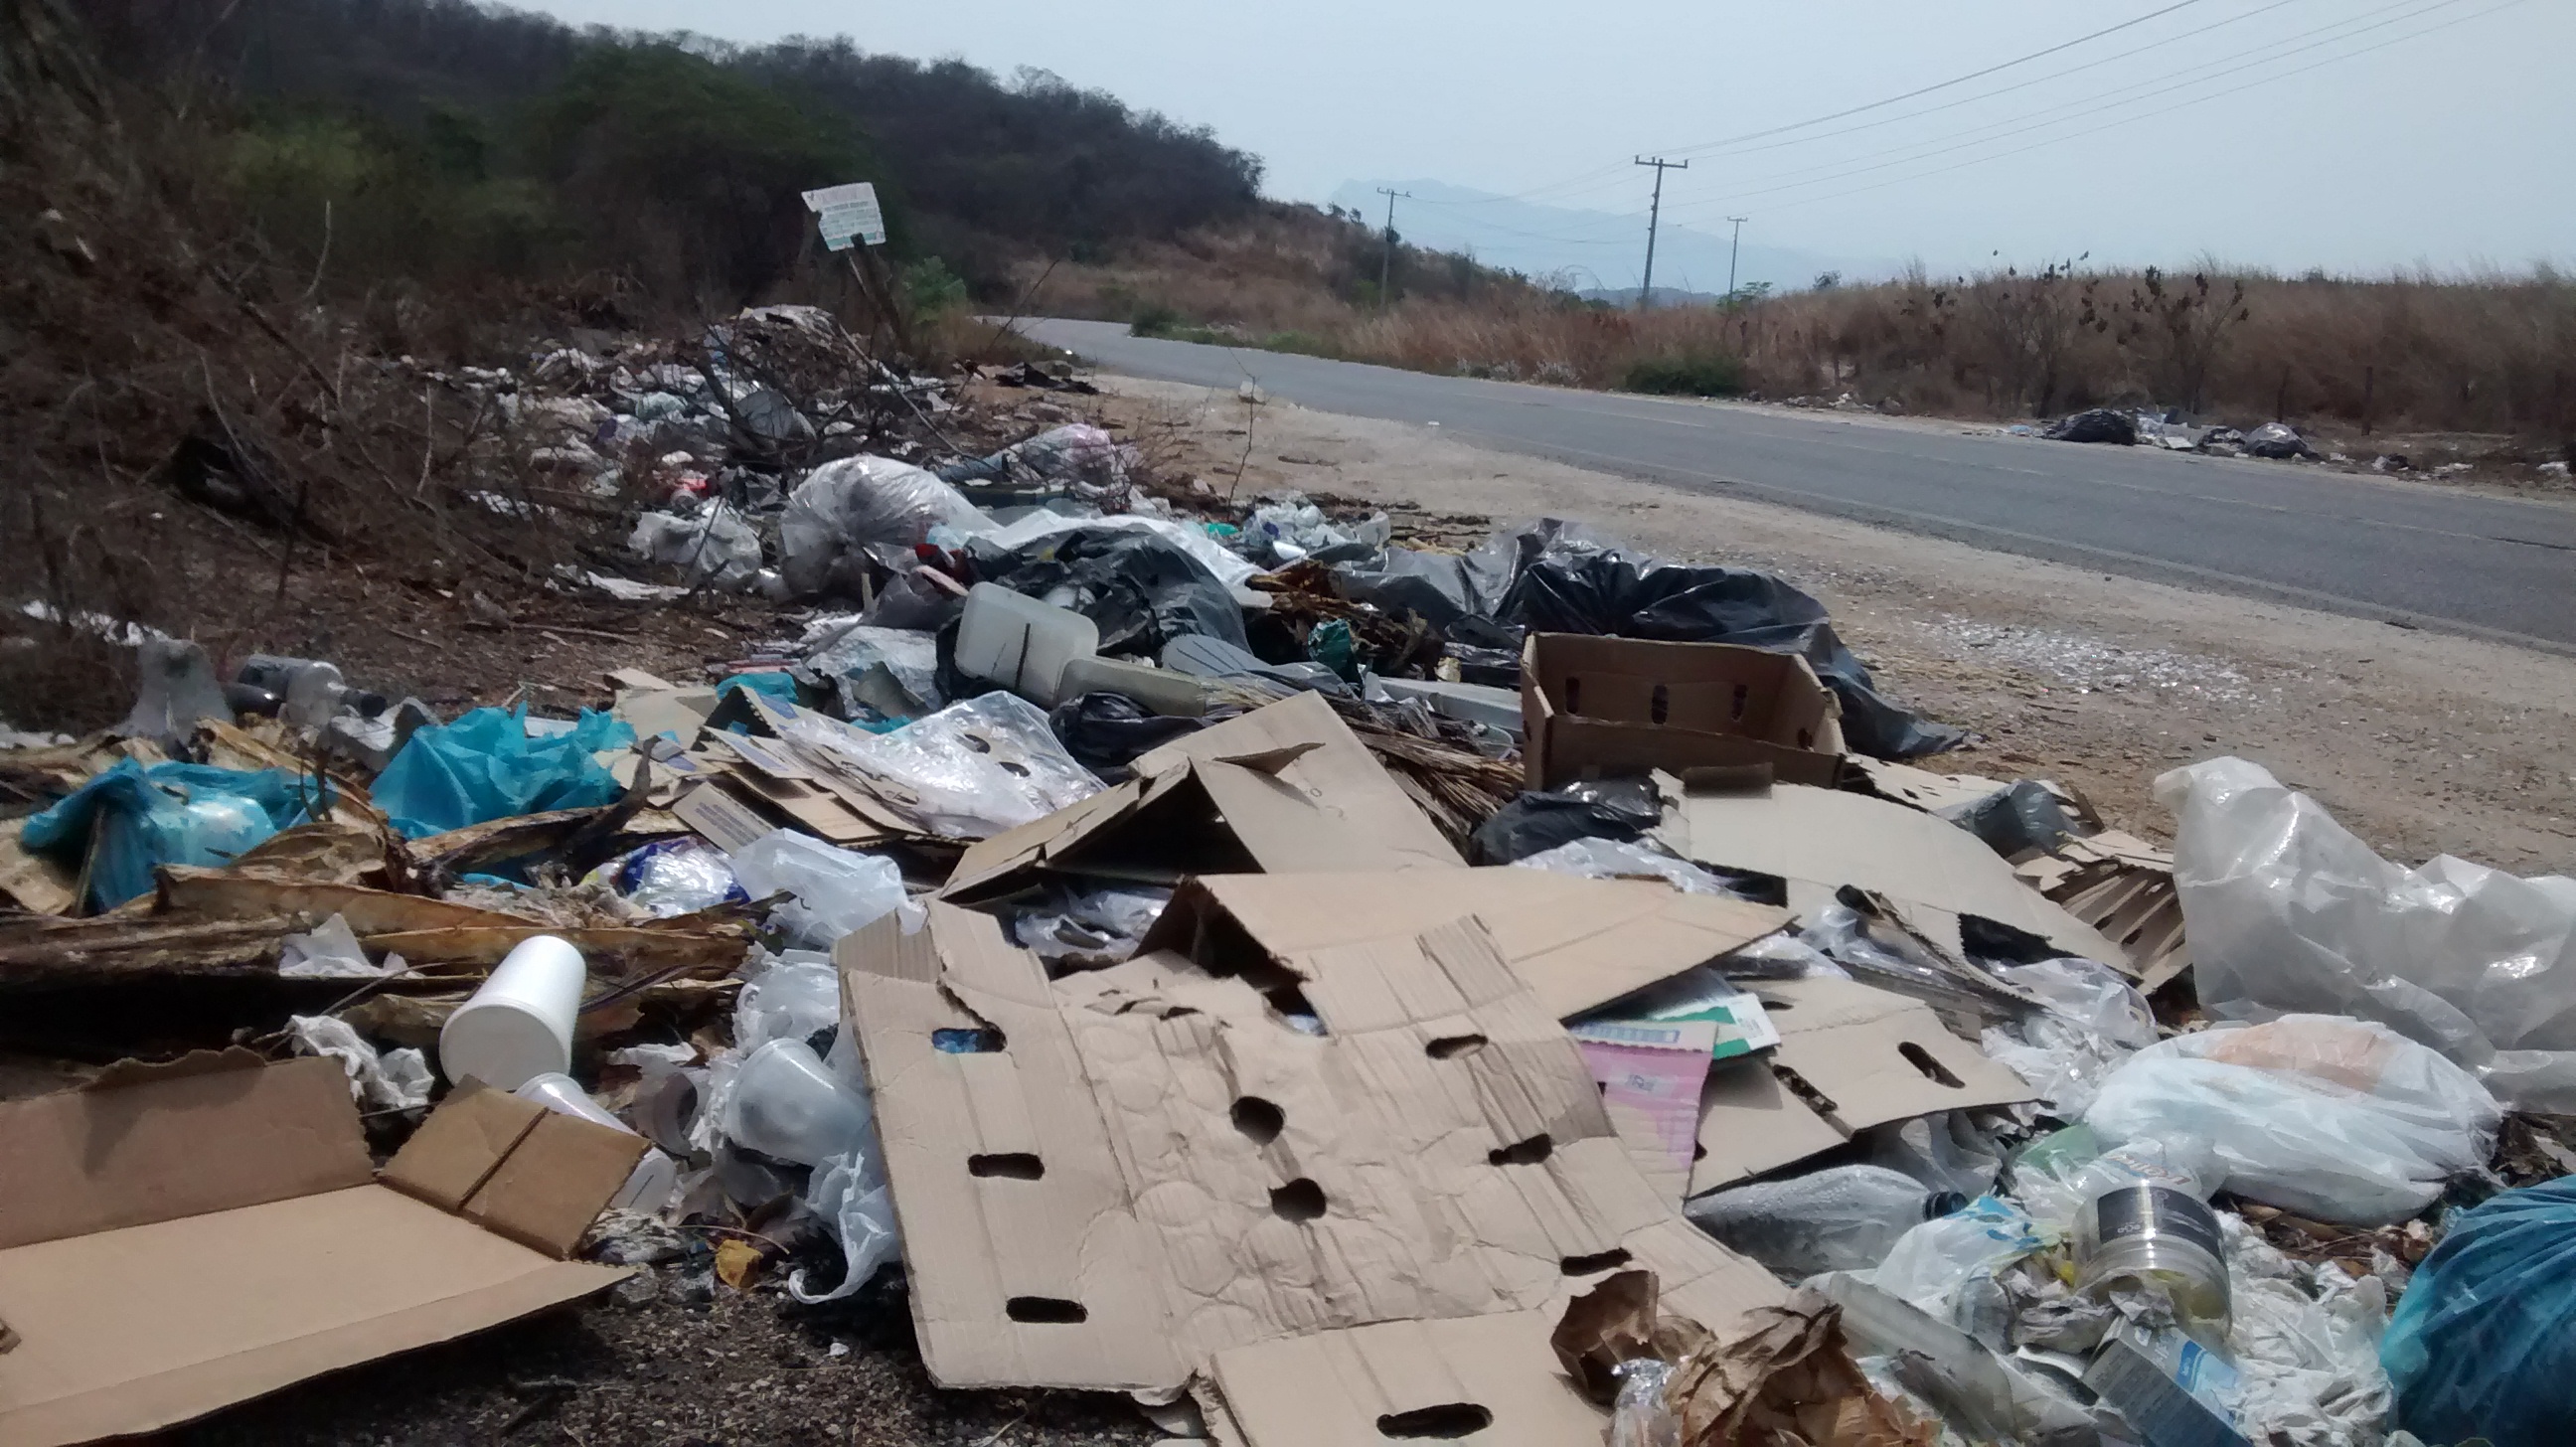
x,y
1142,590
2289,911
2102,424
134,818
1569,582
2480,1345
484,766
2336,1119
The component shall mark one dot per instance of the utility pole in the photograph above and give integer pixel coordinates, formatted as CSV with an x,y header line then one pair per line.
x,y
1733,250
1654,217
1386,264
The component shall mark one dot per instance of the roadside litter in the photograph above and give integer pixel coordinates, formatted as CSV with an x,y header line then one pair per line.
x,y
1331,991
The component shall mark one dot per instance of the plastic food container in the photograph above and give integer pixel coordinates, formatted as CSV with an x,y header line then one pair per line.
x,y
2158,1235
519,1025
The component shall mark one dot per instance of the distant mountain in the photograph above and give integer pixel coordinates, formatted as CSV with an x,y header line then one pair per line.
x,y
1596,251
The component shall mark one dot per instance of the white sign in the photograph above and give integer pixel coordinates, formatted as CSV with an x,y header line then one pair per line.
x,y
848,212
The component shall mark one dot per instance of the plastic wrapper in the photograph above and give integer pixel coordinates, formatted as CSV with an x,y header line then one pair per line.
x,y
1781,957
673,877
1641,1417
1226,567
484,766
387,1080
330,951
1108,732
791,995
836,892
843,507
2092,1022
1942,1152
2481,1344
716,548
2335,1119
1846,1218
850,1192
1094,930
2288,911
969,771
1619,859
1932,1266
844,656
131,819
2306,1341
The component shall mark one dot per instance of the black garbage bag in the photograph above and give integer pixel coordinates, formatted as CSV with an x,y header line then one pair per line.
x,y
2102,424
1143,590
1106,732
1621,809
2278,441
1445,588
2016,820
1575,588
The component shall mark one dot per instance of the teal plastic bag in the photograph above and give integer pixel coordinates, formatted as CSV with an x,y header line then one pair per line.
x,y
145,817
2482,1344
773,684
484,766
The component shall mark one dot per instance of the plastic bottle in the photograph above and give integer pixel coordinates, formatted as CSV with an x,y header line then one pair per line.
x,y
1843,1219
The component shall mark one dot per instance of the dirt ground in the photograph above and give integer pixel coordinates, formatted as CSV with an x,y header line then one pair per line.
x,y
2420,742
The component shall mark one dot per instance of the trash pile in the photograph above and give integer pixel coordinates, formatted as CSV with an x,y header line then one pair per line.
x,y
2275,441
1329,991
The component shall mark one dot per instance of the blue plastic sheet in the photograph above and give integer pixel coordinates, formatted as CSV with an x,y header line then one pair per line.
x,y
484,766
145,817
772,684
2480,1345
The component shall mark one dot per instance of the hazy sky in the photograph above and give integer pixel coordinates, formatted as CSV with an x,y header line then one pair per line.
x,y
2432,131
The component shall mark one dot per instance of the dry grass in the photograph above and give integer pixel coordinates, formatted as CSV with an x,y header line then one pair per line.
x,y
2486,354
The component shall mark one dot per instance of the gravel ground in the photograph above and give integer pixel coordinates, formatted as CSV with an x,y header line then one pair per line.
x,y
659,1362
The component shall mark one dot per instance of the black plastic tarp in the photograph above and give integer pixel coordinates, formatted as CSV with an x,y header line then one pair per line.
x,y
1142,590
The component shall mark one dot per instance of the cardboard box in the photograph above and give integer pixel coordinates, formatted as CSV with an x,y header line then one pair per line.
x,y
1850,1057
1602,707
1133,1177
175,1240
1284,788
1819,840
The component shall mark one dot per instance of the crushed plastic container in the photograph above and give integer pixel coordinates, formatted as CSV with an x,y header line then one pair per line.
x,y
1021,643
785,1103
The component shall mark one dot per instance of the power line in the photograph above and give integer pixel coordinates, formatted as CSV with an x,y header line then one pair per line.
x,y
1836,171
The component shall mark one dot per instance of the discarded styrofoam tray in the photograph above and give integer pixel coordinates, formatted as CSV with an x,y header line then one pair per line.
x,y
1259,1159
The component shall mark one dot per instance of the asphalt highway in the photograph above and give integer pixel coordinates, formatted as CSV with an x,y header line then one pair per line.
x,y
2412,554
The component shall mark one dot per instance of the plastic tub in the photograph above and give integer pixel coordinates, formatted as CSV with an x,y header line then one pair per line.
x,y
2158,1235
786,1103
1021,643
519,1025
649,1186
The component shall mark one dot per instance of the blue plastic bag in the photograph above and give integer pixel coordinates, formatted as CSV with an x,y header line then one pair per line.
x,y
484,766
2481,1345
144,818
772,684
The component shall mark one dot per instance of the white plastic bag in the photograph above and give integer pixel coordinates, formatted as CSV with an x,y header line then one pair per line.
x,y
392,1080
836,892
718,547
331,952
2305,1340
850,1192
1930,1266
969,771
2092,1023
2288,911
1845,1218
2337,1119
786,996
842,507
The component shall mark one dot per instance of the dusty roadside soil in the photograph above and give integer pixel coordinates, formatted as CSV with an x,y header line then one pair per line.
x,y
2420,742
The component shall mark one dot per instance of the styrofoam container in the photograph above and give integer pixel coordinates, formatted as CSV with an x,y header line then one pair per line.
x,y
519,1025
1020,642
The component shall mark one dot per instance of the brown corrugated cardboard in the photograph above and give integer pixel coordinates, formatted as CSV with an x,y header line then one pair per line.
x,y
173,1243
1850,1057
1820,840
1484,1379
1283,788
1599,707
1576,943
1110,1179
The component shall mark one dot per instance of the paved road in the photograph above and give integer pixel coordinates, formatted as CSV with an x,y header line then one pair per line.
x,y
2488,566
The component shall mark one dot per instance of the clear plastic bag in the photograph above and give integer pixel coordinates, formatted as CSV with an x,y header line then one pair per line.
x,y
1094,930
1942,1152
717,547
787,996
1846,1218
850,1192
842,507
1931,1266
2092,1022
969,771
386,1080
909,657
675,877
1616,859
2288,911
2337,1119
836,892
2305,1342
1642,1417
